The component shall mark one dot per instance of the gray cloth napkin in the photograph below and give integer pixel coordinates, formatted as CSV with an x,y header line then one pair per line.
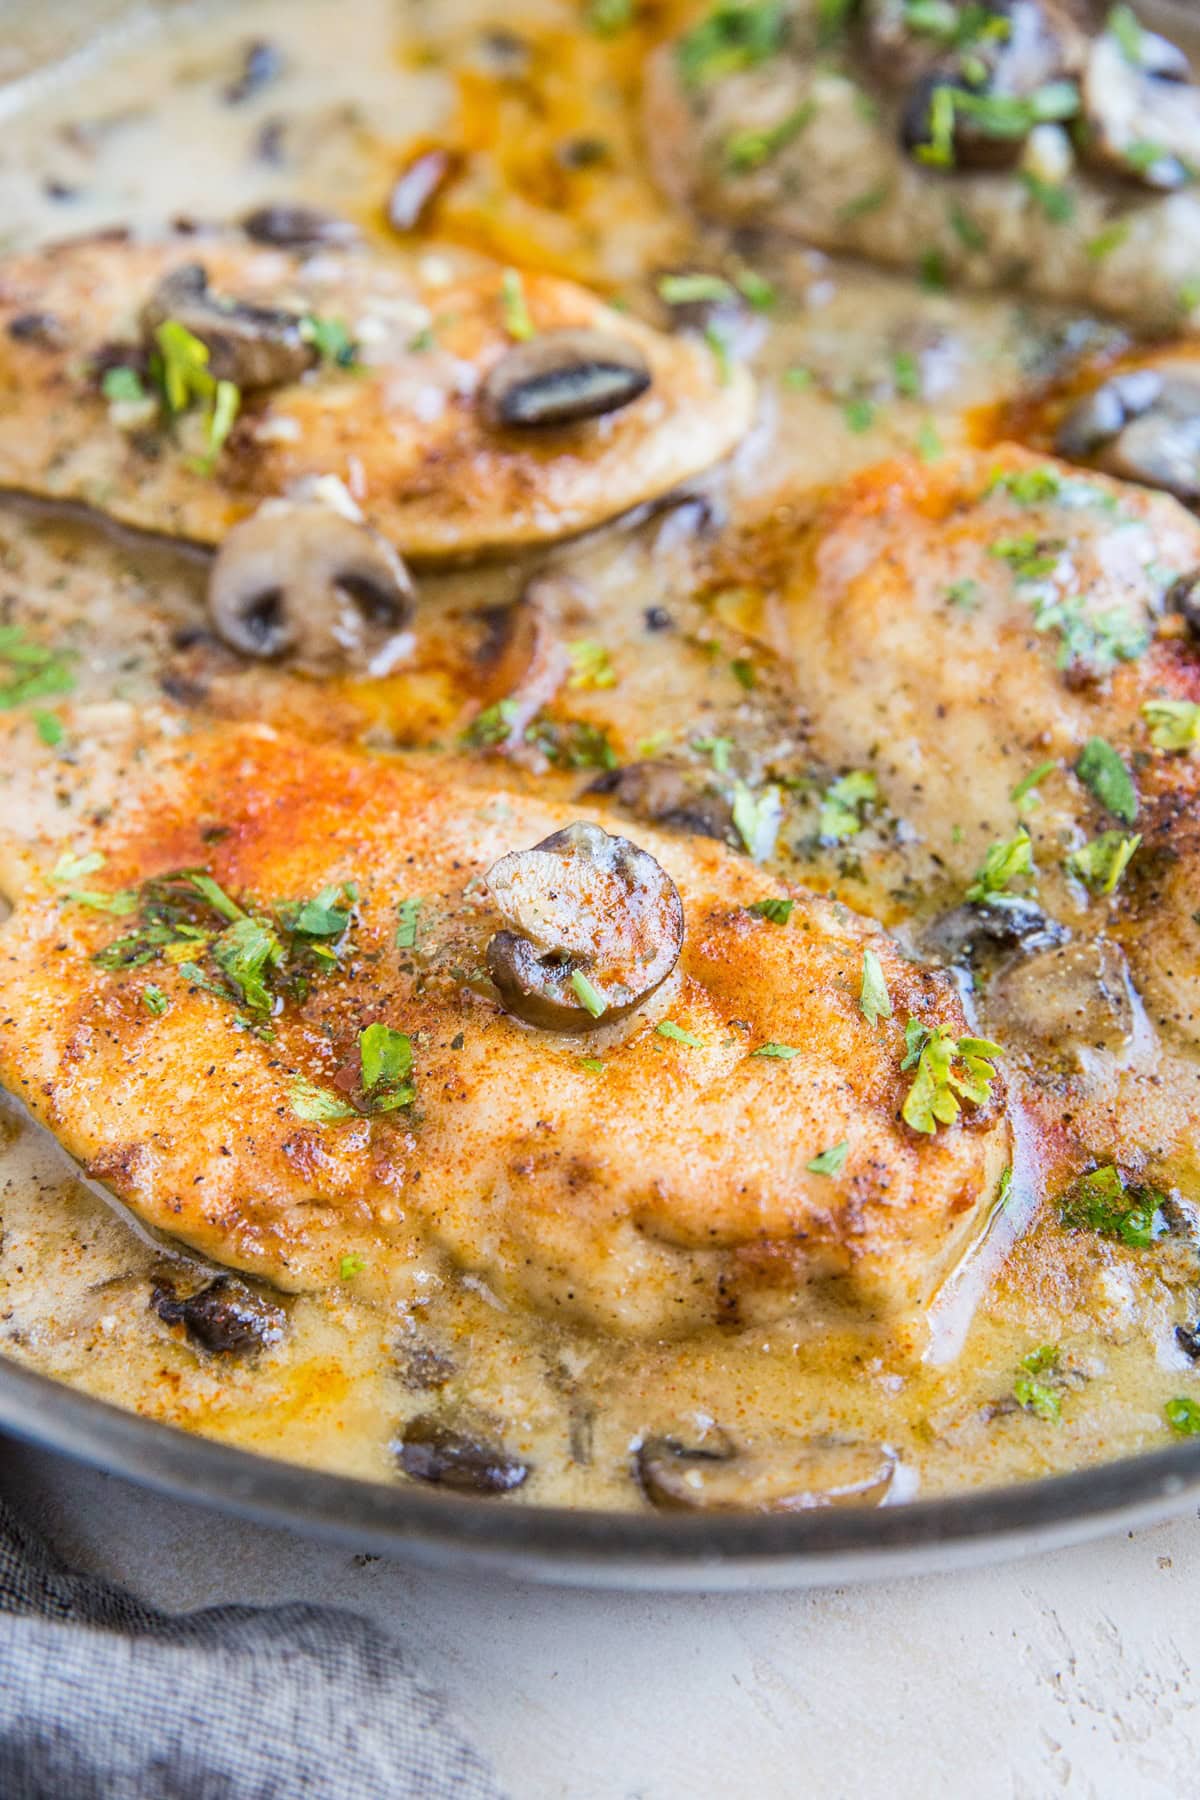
x,y
102,1698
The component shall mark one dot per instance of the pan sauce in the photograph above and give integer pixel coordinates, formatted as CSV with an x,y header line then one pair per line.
x,y
1051,1349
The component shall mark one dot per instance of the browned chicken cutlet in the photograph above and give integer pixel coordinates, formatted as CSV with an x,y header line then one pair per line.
x,y
655,1176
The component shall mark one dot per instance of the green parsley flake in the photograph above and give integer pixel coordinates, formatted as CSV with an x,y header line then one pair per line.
x,y
842,804
1183,1416
50,729
330,339
1036,1396
829,1162
1056,202
317,1105
1105,242
1004,863
30,671
1101,1201
1105,775
588,995
590,665
1023,796
756,290
408,912
181,370
593,1064
874,1001
1101,864
120,904
1122,24
867,202
780,1052
963,594
1174,724
70,867
749,149
154,1000
948,1070
757,818
243,952
385,1063
930,447
859,415
696,287
513,305
668,1029
608,18
778,911
737,34
718,749
350,1266
719,344
743,672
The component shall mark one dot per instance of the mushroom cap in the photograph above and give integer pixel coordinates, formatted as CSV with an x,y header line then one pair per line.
x,y
783,1476
563,377
584,907
253,346
299,579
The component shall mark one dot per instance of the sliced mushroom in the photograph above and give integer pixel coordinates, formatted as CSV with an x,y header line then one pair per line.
x,y
254,346
1067,1003
299,227
226,1318
597,926
262,64
298,579
430,1450
1183,597
781,1477
417,186
563,377
1142,116
1142,426
968,933
672,794
40,328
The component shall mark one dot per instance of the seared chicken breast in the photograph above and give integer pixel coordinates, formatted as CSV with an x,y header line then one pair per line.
x,y
270,1006
1012,143
174,385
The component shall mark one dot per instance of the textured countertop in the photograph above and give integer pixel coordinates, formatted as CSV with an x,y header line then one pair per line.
x,y
1071,1673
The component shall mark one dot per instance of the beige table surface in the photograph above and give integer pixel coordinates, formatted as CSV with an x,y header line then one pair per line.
x,y
1070,1674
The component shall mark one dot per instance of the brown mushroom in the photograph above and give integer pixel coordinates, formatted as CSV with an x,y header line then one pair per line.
x,y
417,186
562,377
596,926
1067,1003
795,1476
300,580
226,1317
250,345
429,1449
972,932
1141,111
1183,597
296,227
671,794
1142,426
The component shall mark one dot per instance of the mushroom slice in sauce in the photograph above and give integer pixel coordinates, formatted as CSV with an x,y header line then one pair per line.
x,y
668,793
297,227
780,1477
970,932
562,377
253,346
227,1317
1067,1003
596,925
299,579
1143,426
1142,116
430,1450
1183,597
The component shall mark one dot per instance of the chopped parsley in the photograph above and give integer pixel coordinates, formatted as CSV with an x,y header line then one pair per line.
x,y
330,339
695,288
1122,24
1101,863
593,1064
350,1266
588,995
608,18
756,290
317,1105
1035,1395
244,952
743,672
1183,1416
1174,724
70,867
154,1000
778,911
385,1064
963,594
31,671
757,818
829,1162
50,729
929,443
1029,557
1094,640
1102,1201
869,201
1023,796
842,805
590,665
780,1052
874,1001
1105,775
718,343
514,307
1108,240
906,374
751,148
408,913
1056,202
717,748
668,1029
571,743
859,415
1004,863
181,371
737,34
948,1071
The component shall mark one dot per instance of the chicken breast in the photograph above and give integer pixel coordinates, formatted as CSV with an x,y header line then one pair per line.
x,y
389,374
284,1088
1016,143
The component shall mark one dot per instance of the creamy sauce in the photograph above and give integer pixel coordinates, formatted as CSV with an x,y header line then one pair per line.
x,y
141,131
